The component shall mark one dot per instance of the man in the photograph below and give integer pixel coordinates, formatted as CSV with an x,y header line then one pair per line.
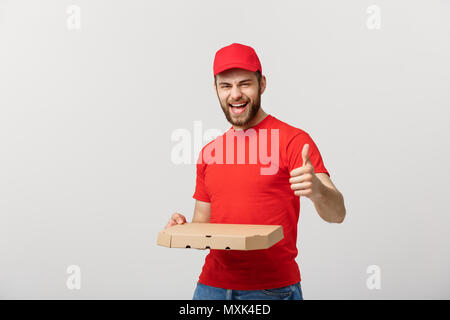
x,y
230,191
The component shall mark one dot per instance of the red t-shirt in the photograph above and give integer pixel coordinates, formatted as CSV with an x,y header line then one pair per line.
x,y
242,192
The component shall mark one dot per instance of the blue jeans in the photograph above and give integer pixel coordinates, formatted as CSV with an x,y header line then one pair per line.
x,y
204,292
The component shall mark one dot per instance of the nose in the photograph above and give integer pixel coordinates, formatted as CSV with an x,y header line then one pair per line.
x,y
236,93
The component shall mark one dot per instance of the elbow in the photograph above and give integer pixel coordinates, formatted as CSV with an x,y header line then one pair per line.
x,y
336,219
342,213
335,214
341,217
340,220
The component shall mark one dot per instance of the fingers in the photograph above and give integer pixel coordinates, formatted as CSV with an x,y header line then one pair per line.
x,y
301,178
301,170
301,186
176,218
305,193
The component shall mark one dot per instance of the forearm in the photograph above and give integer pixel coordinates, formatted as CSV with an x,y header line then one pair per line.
x,y
330,205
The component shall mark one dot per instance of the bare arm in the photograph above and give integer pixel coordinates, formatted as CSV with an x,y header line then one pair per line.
x,y
202,212
329,202
319,188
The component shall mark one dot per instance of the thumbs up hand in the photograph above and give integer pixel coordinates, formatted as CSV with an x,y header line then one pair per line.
x,y
303,179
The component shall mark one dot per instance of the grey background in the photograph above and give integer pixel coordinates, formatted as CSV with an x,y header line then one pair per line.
x,y
86,118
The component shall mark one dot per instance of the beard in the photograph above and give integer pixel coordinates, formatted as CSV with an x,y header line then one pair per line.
x,y
245,117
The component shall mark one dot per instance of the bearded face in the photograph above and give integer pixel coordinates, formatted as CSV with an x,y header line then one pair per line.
x,y
239,93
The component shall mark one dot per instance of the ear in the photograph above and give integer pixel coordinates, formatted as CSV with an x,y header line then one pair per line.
x,y
263,83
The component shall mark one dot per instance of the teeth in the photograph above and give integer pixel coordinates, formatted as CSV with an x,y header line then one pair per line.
x,y
238,105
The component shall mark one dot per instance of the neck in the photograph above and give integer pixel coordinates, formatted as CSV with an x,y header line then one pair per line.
x,y
260,116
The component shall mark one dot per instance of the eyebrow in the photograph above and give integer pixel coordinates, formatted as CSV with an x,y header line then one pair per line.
x,y
245,80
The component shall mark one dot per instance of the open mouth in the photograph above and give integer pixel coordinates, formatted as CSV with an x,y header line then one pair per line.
x,y
238,108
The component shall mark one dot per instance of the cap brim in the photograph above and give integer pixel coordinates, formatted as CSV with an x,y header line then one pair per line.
x,y
239,65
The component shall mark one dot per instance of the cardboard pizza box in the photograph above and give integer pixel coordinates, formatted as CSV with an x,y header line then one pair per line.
x,y
220,236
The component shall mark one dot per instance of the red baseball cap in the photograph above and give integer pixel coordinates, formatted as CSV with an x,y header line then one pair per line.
x,y
236,55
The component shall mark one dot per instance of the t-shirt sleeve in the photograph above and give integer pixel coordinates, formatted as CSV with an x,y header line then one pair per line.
x,y
201,193
294,153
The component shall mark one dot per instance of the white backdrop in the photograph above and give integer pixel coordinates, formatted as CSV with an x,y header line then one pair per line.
x,y
92,91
